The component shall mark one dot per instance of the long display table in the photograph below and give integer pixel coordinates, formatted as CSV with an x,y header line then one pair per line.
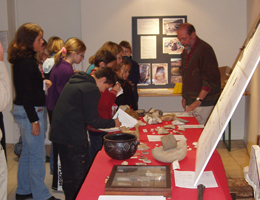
x,y
94,184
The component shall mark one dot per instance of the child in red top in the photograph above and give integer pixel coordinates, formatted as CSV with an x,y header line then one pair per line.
x,y
103,58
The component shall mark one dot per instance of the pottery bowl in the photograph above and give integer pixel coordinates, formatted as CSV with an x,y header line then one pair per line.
x,y
120,146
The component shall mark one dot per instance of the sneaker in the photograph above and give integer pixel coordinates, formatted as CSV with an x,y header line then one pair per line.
x,y
47,159
17,154
53,198
23,196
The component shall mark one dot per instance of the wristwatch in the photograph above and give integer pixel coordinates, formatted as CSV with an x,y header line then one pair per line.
x,y
36,122
198,99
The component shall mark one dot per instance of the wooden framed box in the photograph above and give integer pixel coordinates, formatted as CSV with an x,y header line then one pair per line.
x,y
150,180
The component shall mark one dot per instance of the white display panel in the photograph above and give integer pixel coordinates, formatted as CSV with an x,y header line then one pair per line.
x,y
227,103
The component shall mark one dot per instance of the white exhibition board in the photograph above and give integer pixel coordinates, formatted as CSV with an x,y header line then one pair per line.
x,y
228,100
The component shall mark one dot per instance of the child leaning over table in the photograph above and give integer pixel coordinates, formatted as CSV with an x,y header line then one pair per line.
x,y
75,110
127,97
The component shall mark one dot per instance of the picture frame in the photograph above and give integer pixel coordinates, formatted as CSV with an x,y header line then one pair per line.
x,y
139,180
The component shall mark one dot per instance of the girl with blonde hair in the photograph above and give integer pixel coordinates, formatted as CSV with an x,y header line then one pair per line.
x,y
54,45
72,52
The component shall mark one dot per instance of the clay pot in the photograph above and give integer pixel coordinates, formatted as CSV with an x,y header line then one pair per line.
x,y
120,146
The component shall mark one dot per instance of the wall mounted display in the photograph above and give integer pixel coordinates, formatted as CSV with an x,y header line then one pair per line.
x,y
157,50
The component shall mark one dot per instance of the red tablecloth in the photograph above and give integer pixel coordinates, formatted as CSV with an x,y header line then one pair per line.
x,y
94,184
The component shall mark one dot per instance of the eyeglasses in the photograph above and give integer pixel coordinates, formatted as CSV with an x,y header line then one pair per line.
x,y
81,55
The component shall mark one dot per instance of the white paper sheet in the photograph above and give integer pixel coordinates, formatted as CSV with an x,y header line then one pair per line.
x,y
179,114
148,26
118,197
191,126
157,138
185,179
125,119
148,47
121,91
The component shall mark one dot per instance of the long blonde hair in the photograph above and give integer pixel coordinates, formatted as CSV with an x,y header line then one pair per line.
x,y
71,45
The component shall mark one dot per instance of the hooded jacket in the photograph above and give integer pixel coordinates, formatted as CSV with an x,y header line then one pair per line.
x,y
76,108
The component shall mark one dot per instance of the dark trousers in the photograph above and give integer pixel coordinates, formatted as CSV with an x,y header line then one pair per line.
x,y
96,143
75,164
54,156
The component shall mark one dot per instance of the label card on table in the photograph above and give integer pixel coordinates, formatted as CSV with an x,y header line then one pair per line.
x,y
118,197
185,179
157,138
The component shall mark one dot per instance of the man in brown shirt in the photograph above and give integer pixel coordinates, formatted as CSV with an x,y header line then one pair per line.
x,y
200,74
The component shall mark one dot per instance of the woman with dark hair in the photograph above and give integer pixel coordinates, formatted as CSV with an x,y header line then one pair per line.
x,y
28,111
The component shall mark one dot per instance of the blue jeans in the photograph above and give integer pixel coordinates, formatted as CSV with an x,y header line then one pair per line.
x,y
31,167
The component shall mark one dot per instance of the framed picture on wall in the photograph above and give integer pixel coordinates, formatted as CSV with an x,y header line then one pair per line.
x,y
145,73
171,45
170,25
160,73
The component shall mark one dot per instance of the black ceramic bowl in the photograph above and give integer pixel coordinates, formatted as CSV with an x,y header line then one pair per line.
x,y
120,146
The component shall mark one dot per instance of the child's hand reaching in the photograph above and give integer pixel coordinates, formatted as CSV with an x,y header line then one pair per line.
x,y
117,87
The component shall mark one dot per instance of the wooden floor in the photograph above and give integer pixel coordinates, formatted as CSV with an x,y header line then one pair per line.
x,y
233,161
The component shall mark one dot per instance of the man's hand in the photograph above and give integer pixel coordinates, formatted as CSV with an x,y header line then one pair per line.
x,y
183,102
194,105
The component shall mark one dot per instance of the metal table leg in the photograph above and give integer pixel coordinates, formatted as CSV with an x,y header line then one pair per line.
x,y
229,137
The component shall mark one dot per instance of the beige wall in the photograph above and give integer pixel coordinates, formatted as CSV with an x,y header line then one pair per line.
x,y
253,105
221,23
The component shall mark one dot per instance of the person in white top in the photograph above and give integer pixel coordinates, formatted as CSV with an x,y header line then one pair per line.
x,y
5,95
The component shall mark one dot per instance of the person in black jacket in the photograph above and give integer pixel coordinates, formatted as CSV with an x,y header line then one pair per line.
x,y
134,73
28,111
75,109
127,97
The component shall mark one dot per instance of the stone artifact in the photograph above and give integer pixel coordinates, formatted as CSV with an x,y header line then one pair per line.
x,y
181,120
169,117
132,113
168,142
162,130
170,127
153,116
151,110
141,123
141,112
142,146
124,129
124,107
170,155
